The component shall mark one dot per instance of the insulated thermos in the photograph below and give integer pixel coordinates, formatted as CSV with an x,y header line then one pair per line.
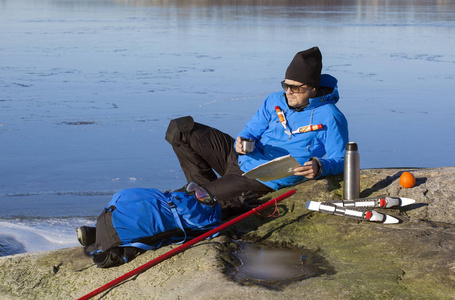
x,y
351,188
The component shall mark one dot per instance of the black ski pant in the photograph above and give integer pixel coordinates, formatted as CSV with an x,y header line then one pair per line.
x,y
204,152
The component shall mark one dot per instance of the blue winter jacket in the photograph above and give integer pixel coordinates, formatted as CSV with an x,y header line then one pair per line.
x,y
327,144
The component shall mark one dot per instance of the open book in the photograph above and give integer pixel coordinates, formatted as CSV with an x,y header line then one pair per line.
x,y
278,168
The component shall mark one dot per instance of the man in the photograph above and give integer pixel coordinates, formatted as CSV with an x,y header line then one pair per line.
x,y
278,128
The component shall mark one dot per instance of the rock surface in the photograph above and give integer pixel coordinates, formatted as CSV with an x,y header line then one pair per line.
x,y
411,260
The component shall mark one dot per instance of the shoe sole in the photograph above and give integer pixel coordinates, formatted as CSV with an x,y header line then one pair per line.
x,y
83,236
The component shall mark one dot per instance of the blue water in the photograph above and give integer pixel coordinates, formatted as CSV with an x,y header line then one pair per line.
x,y
87,89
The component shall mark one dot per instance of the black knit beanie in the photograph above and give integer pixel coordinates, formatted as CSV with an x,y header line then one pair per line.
x,y
306,67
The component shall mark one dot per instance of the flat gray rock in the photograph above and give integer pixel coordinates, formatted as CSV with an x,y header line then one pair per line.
x,y
411,260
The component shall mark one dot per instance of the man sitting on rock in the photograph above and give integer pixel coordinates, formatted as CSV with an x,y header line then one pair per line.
x,y
279,128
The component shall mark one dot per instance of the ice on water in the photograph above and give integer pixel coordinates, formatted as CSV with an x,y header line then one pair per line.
x,y
20,235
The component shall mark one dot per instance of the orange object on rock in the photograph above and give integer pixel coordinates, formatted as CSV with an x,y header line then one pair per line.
x,y
407,180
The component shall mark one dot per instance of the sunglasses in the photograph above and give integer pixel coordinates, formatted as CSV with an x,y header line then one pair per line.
x,y
294,88
200,194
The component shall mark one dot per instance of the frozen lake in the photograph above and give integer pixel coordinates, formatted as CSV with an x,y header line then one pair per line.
x,y
87,89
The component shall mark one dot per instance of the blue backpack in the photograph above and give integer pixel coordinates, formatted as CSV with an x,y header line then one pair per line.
x,y
139,219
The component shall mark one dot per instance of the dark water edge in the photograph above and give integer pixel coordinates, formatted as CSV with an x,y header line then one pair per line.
x,y
9,246
21,234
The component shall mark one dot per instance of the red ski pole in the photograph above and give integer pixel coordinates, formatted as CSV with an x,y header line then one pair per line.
x,y
185,246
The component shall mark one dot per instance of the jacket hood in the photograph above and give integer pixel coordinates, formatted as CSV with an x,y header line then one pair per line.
x,y
328,92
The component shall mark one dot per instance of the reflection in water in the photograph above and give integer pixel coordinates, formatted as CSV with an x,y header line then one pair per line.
x,y
288,9
331,4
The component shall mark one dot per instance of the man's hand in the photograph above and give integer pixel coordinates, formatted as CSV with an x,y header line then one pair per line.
x,y
239,147
309,169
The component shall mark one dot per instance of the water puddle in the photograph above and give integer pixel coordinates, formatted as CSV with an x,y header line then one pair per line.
x,y
276,267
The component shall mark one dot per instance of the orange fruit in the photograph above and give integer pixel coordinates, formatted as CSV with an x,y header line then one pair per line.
x,y
407,180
